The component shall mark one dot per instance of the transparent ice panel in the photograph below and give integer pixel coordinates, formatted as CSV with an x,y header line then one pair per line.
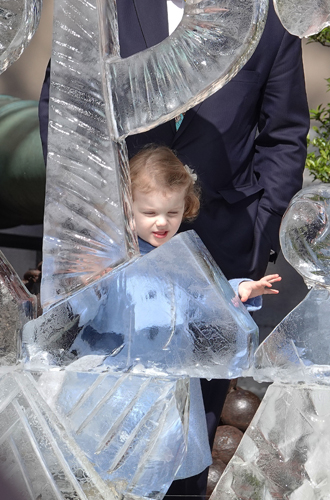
x,y
157,314
88,219
132,429
66,435
298,349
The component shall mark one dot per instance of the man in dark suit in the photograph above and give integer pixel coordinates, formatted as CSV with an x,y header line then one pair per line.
x,y
247,144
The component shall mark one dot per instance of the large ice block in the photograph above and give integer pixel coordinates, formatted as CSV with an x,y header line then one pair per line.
x,y
19,20
17,307
83,436
285,451
170,311
303,17
37,455
298,349
132,429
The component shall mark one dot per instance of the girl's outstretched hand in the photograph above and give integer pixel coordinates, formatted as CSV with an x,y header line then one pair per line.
x,y
249,289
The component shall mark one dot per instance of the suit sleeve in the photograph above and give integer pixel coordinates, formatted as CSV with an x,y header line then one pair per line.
x,y
43,111
280,146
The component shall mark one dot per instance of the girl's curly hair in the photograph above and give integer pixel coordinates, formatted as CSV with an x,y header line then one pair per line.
x,y
158,167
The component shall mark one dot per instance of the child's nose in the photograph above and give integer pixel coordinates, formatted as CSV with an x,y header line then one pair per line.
x,y
161,221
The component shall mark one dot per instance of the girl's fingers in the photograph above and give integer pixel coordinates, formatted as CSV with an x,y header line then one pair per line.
x,y
273,278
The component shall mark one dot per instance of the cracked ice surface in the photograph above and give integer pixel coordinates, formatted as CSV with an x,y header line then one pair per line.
x,y
17,307
285,451
19,20
79,436
154,316
298,350
305,234
303,17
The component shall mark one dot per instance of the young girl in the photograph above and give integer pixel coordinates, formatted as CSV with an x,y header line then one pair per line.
x,y
165,193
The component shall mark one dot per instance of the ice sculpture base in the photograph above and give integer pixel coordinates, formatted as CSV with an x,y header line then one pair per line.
x,y
17,307
69,435
285,451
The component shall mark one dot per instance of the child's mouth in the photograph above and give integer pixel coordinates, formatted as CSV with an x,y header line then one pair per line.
x,y
160,234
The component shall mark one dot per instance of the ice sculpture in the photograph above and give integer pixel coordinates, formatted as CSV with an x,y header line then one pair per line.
x,y
71,447
72,434
305,238
19,20
285,451
301,340
161,82
84,430
88,215
303,17
17,307
150,316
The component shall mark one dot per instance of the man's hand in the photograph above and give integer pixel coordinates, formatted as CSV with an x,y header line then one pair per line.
x,y
249,289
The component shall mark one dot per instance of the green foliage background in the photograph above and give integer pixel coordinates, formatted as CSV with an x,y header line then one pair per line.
x,y
318,161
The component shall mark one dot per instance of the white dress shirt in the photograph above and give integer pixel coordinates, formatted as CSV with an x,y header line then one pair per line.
x,y
175,10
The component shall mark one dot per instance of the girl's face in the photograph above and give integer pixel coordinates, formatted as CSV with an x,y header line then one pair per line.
x,y
158,214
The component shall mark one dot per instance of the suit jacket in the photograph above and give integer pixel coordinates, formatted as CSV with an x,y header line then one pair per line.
x,y
247,142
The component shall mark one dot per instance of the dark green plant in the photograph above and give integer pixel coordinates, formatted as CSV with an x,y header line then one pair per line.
x,y
323,37
318,160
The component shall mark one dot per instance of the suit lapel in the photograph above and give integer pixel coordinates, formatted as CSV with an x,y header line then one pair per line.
x,y
152,16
